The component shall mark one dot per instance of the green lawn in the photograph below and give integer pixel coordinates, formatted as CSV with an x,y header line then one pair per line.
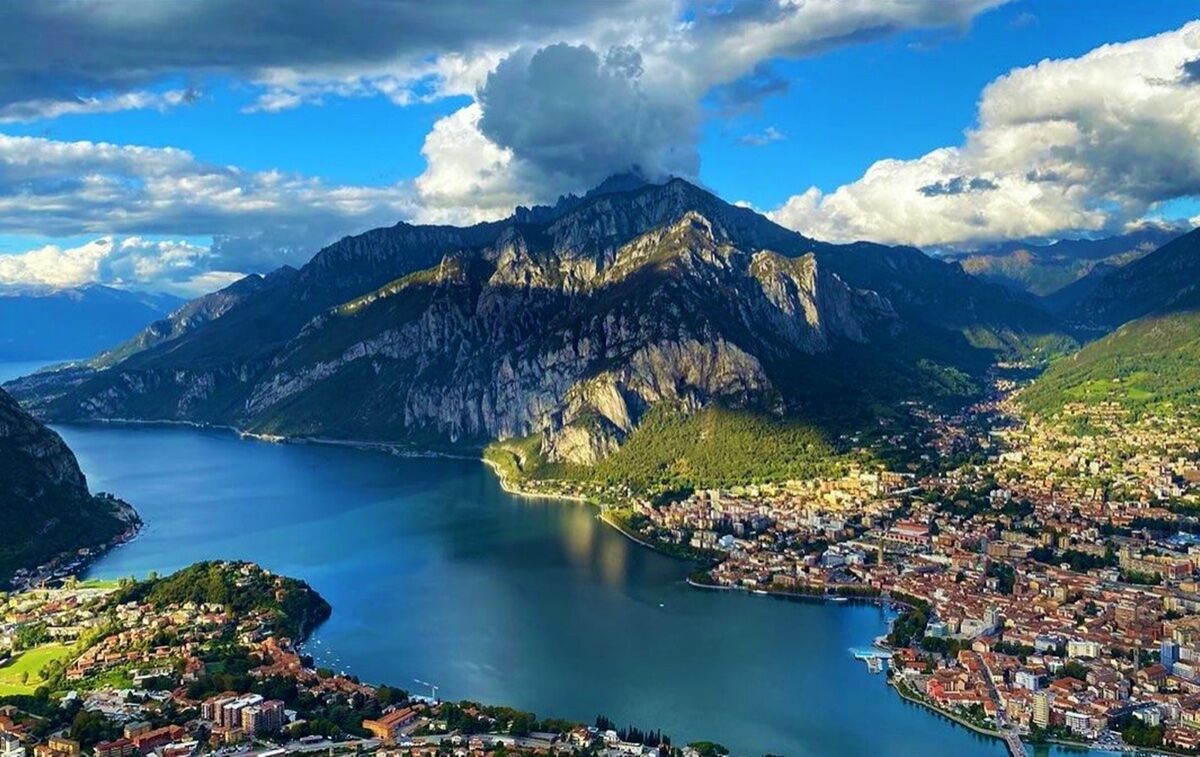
x,y
100,583
29,662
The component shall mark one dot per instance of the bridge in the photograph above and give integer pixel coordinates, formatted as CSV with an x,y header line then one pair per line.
x,y
1016,747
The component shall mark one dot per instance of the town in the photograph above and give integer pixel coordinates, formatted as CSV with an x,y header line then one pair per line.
x,y
1046,581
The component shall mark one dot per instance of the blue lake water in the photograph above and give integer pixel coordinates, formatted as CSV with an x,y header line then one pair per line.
x,y
436,575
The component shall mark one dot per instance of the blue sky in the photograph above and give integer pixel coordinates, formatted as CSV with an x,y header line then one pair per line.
x,y
286,148
905,96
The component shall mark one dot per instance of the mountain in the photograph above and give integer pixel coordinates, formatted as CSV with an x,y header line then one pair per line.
x,y
44,500
74,323
568,321
1150,358
1046,269
1148,365
1166,280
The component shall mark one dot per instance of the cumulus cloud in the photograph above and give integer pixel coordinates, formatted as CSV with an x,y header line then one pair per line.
x,y
570,111
257,219
1074,145
174,266
54,266
633,94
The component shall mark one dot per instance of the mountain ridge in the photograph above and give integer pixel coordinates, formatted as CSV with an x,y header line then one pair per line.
x,y
570,327
1165,280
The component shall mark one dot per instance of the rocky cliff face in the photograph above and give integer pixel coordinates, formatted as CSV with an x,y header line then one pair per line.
x,y
44,500
37,459
568,322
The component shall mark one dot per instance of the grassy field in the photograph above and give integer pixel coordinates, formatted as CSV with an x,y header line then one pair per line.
x,y
28,665
100,583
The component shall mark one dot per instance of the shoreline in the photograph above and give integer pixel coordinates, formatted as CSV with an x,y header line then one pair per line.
x,y
509,487
640,542
952,717
82,564
368,445
991,733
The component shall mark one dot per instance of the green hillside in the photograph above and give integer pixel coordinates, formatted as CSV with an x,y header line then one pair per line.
x,y
242,587
1148,365
712,447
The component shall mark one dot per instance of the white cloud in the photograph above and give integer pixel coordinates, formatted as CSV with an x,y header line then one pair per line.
x,y
125,193
174,266
465,164
762,138
558,118
1083,144
27,110
53,266
56,188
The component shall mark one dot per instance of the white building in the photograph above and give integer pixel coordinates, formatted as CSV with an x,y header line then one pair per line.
x,y
10,746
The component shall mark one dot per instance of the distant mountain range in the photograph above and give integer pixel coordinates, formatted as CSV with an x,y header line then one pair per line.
x,y
567,322
1048,269
1152,358
45,504
1167,280
74,323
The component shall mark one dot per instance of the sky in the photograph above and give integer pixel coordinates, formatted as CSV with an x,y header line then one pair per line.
x,y
178,146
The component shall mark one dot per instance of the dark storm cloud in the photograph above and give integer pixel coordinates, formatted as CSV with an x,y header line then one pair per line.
x,y
569,111
61,51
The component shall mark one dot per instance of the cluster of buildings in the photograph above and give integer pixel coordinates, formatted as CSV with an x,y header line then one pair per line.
x,y
134,663
1054,569
236,717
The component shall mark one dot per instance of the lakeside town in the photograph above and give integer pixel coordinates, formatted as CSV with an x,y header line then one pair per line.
x,y
1046,582
211,660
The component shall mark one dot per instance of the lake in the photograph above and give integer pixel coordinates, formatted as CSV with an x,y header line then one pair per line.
x,y
438,577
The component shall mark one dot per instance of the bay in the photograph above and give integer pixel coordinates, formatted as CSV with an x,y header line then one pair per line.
x,y
438,577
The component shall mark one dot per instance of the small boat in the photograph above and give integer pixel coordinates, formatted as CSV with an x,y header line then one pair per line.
x,y
759,591
837,599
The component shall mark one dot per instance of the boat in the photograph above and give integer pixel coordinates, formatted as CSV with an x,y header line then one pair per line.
x,y
837,599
